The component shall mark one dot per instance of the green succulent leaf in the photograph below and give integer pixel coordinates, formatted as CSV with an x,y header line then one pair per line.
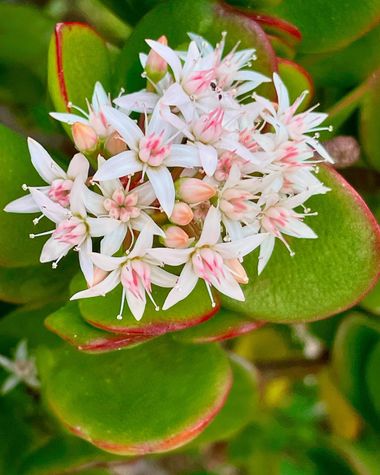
x,y
223,326
355,343
16,248
328,26
372,379
101,312
68,323
127,403
372,301
78,57
327,275
208,18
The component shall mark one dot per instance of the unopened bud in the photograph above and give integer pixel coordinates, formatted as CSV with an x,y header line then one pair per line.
x,y
182,214
194,190
115,144
156,67
176,238
237,270
85,137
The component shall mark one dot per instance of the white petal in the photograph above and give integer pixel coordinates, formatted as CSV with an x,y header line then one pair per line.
x,y
6,363
126,127
136,306
266,250
176,96
240,247
162,278
43,163
183,156
112,241
208,156
228,286
102,226
53,250
211,228
298,229
172,257
78,167
85,261
94,202
168,55
145,220
107,263
122,164
10,383
145,193
282,93
105,286
68,118
54,211
185,285
77,197
22,351
162,183
25,204
100,97
142,101
143,243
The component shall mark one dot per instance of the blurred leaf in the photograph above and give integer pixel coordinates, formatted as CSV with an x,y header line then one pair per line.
x,y
370,122
16,248
224,325
372,301
68,323
131,10
328,25
373,381
326,275
326,329
78,57
102,312
128,403
205,17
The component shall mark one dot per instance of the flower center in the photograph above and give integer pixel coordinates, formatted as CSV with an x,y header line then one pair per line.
x,y
153,150
136,278
59,191
198,81
208,127
236,205
208,264
71,231
275,219
122,205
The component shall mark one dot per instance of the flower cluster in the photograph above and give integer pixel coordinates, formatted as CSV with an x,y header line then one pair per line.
x,y
196,170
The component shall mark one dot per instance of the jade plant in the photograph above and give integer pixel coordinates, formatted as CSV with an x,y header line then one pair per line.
x,y
181,198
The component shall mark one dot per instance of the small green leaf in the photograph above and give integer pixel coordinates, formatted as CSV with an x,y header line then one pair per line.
x,y
327,275
68,323
224,325
208,18
78,57
16,248
102,312
239,408
128,402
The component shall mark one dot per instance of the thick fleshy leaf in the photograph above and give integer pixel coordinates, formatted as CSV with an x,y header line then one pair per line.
x,y
297,80
16,248
63,454
68,323
131,10
102,312
223,326
124,402
373,384
239,408
372,301
370,122
41,283
327,275
209,18
328,26
78,57
357,338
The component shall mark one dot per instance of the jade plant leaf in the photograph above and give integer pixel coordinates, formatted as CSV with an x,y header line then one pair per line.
x,y
208,18
68,323
102,312
36,283
328,26
16,248
131,10
78,57
327,275
372,379
239,408
356,340
372,301
224,325
125,402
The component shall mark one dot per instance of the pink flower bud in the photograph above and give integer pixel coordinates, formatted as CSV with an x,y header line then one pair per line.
x,y
99,275
115,144
85,137
208,127
194,190
156,67
237,270
176,238
182,214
